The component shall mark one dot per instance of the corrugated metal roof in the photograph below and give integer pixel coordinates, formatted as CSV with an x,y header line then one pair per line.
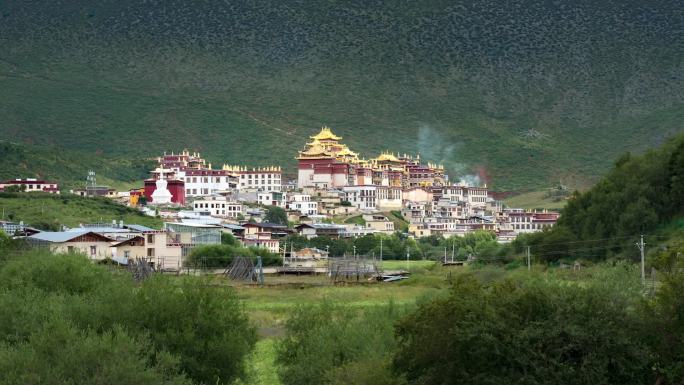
x,y
58,236
140,228
190,224
233,227
98,230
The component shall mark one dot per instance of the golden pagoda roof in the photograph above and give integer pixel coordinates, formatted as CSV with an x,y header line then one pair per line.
x,y
345,151
325,134
386,156
315,150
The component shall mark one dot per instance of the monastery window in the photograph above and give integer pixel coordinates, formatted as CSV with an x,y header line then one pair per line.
x,y
93,250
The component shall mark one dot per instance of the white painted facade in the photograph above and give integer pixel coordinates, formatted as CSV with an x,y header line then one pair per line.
x,y
302,203
197,185
260,180
362,197
271,198
389,198
218,207
475,196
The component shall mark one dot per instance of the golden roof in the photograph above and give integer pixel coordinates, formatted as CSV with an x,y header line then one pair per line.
x,y
315,150
345,151
386,156
325,134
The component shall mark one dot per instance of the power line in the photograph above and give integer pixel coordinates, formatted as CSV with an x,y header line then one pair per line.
x,y
552,252
585,241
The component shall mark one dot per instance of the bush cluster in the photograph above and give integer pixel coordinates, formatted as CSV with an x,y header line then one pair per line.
x,y
502,331
66,320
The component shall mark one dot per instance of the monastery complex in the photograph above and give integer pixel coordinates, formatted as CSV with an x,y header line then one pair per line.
x,y
334,182
337,194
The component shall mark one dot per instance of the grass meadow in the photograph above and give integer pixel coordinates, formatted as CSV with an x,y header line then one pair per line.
x,y
270,306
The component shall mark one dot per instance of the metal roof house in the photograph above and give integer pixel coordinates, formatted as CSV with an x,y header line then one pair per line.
x,y
95,246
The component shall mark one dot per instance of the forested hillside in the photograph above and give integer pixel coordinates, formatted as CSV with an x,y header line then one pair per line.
x,y
641,195
521,93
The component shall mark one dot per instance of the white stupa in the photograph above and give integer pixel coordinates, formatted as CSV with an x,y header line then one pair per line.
x,y
161,195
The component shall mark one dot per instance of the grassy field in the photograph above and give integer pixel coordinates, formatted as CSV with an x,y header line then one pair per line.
x,y
270,306
534,200
400,224
51,211
262,368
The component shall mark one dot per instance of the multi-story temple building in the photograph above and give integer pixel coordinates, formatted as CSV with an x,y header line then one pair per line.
x,y
198,178
325,162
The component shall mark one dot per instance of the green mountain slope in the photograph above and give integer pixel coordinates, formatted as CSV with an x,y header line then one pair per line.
x,y
51,212
520,93
70,167
639,196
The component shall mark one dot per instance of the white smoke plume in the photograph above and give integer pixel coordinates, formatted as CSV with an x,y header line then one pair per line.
x,y
435,148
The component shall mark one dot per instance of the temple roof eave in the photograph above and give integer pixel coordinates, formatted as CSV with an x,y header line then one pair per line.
x,y
325,134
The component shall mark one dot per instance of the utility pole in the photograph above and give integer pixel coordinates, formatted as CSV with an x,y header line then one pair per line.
x,y
529,266
444,254
453,250
641,245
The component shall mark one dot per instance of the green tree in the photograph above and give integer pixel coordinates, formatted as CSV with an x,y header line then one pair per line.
x,y
367,244
275,214
201,324
220,256
335,246
329,344
663,316
165,326
523,333
639,194
295,241
676,172
15,188
60,353
229,239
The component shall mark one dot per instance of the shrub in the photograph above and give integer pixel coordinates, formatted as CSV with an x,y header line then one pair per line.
x,y
62,354
164,323
531,333
220,256
338,345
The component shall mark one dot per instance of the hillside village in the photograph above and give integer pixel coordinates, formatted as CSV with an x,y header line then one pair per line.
x,y
337,194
